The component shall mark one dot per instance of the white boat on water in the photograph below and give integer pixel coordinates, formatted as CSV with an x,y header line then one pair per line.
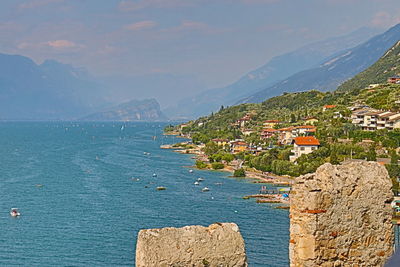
x,y
205,189
196,183
14,212
191,171
200,179
154,175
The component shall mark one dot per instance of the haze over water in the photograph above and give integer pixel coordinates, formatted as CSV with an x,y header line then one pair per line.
x,y
91,205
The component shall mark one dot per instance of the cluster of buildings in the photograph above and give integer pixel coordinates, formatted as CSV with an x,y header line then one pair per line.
x,y
286,136
394,79
370,120
298,136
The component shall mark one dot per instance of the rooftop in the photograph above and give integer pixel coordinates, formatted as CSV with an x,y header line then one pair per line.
x,y
306,141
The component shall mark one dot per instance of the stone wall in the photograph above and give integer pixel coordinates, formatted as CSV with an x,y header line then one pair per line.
x,y
218,245
341,216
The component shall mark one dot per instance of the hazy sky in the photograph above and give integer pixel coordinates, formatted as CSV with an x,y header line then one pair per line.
x,y
217,40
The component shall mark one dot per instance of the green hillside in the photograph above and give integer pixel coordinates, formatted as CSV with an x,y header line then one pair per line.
x,y
385,67
339,138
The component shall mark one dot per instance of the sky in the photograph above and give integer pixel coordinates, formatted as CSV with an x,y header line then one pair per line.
x,y
217,41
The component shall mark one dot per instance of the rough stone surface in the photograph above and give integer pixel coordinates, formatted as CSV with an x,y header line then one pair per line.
x,y
341,216
218,245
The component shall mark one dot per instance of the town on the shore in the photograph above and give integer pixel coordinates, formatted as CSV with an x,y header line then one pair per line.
x,y
295,141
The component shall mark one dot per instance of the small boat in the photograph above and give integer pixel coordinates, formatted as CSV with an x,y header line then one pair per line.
x,y
205,189
160,188
196,183
200,179
191,171
14,212
154,175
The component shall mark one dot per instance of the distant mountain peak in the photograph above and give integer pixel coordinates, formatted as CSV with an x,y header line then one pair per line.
x,y
133,110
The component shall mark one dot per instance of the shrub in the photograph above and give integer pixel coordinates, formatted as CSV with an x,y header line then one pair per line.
x,y
217,165
200,164
239,173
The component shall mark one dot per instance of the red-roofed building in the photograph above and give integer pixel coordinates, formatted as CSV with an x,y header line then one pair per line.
x,y
242,122
239,146
285,135
394,79
328,107
304,145
304,130
268,133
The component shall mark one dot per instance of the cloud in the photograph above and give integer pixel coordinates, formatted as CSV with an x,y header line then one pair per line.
x,y
141,25
61,44
38,3
141,4
384,19
56,44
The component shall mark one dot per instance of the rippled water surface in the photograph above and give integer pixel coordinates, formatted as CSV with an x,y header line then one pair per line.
x,y
98,192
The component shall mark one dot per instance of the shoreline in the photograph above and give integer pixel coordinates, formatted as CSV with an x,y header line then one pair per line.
x,y
267,178
259,177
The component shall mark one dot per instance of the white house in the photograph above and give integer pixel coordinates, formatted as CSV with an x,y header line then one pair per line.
x,y
304,145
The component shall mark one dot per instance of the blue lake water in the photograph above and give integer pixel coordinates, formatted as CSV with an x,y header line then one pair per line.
x,y
91,206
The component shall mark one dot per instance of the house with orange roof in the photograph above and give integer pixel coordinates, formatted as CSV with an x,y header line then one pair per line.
x,y
326,107
242,121
394,79
304,130
268,133
304,145
285,135
239,146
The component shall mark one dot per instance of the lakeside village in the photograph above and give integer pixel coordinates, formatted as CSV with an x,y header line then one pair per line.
x,y
278,149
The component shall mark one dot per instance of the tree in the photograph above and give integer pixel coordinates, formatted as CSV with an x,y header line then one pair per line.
x,y
200,164
333,158
211,148
394,158
292,118
217,165
228,157
371,155
239,173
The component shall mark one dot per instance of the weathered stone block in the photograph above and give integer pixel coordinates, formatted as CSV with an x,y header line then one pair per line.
x,y
218,245
341,216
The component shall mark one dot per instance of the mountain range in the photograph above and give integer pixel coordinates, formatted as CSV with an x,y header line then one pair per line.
x,y
277,69
334,70
49,91
57,91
